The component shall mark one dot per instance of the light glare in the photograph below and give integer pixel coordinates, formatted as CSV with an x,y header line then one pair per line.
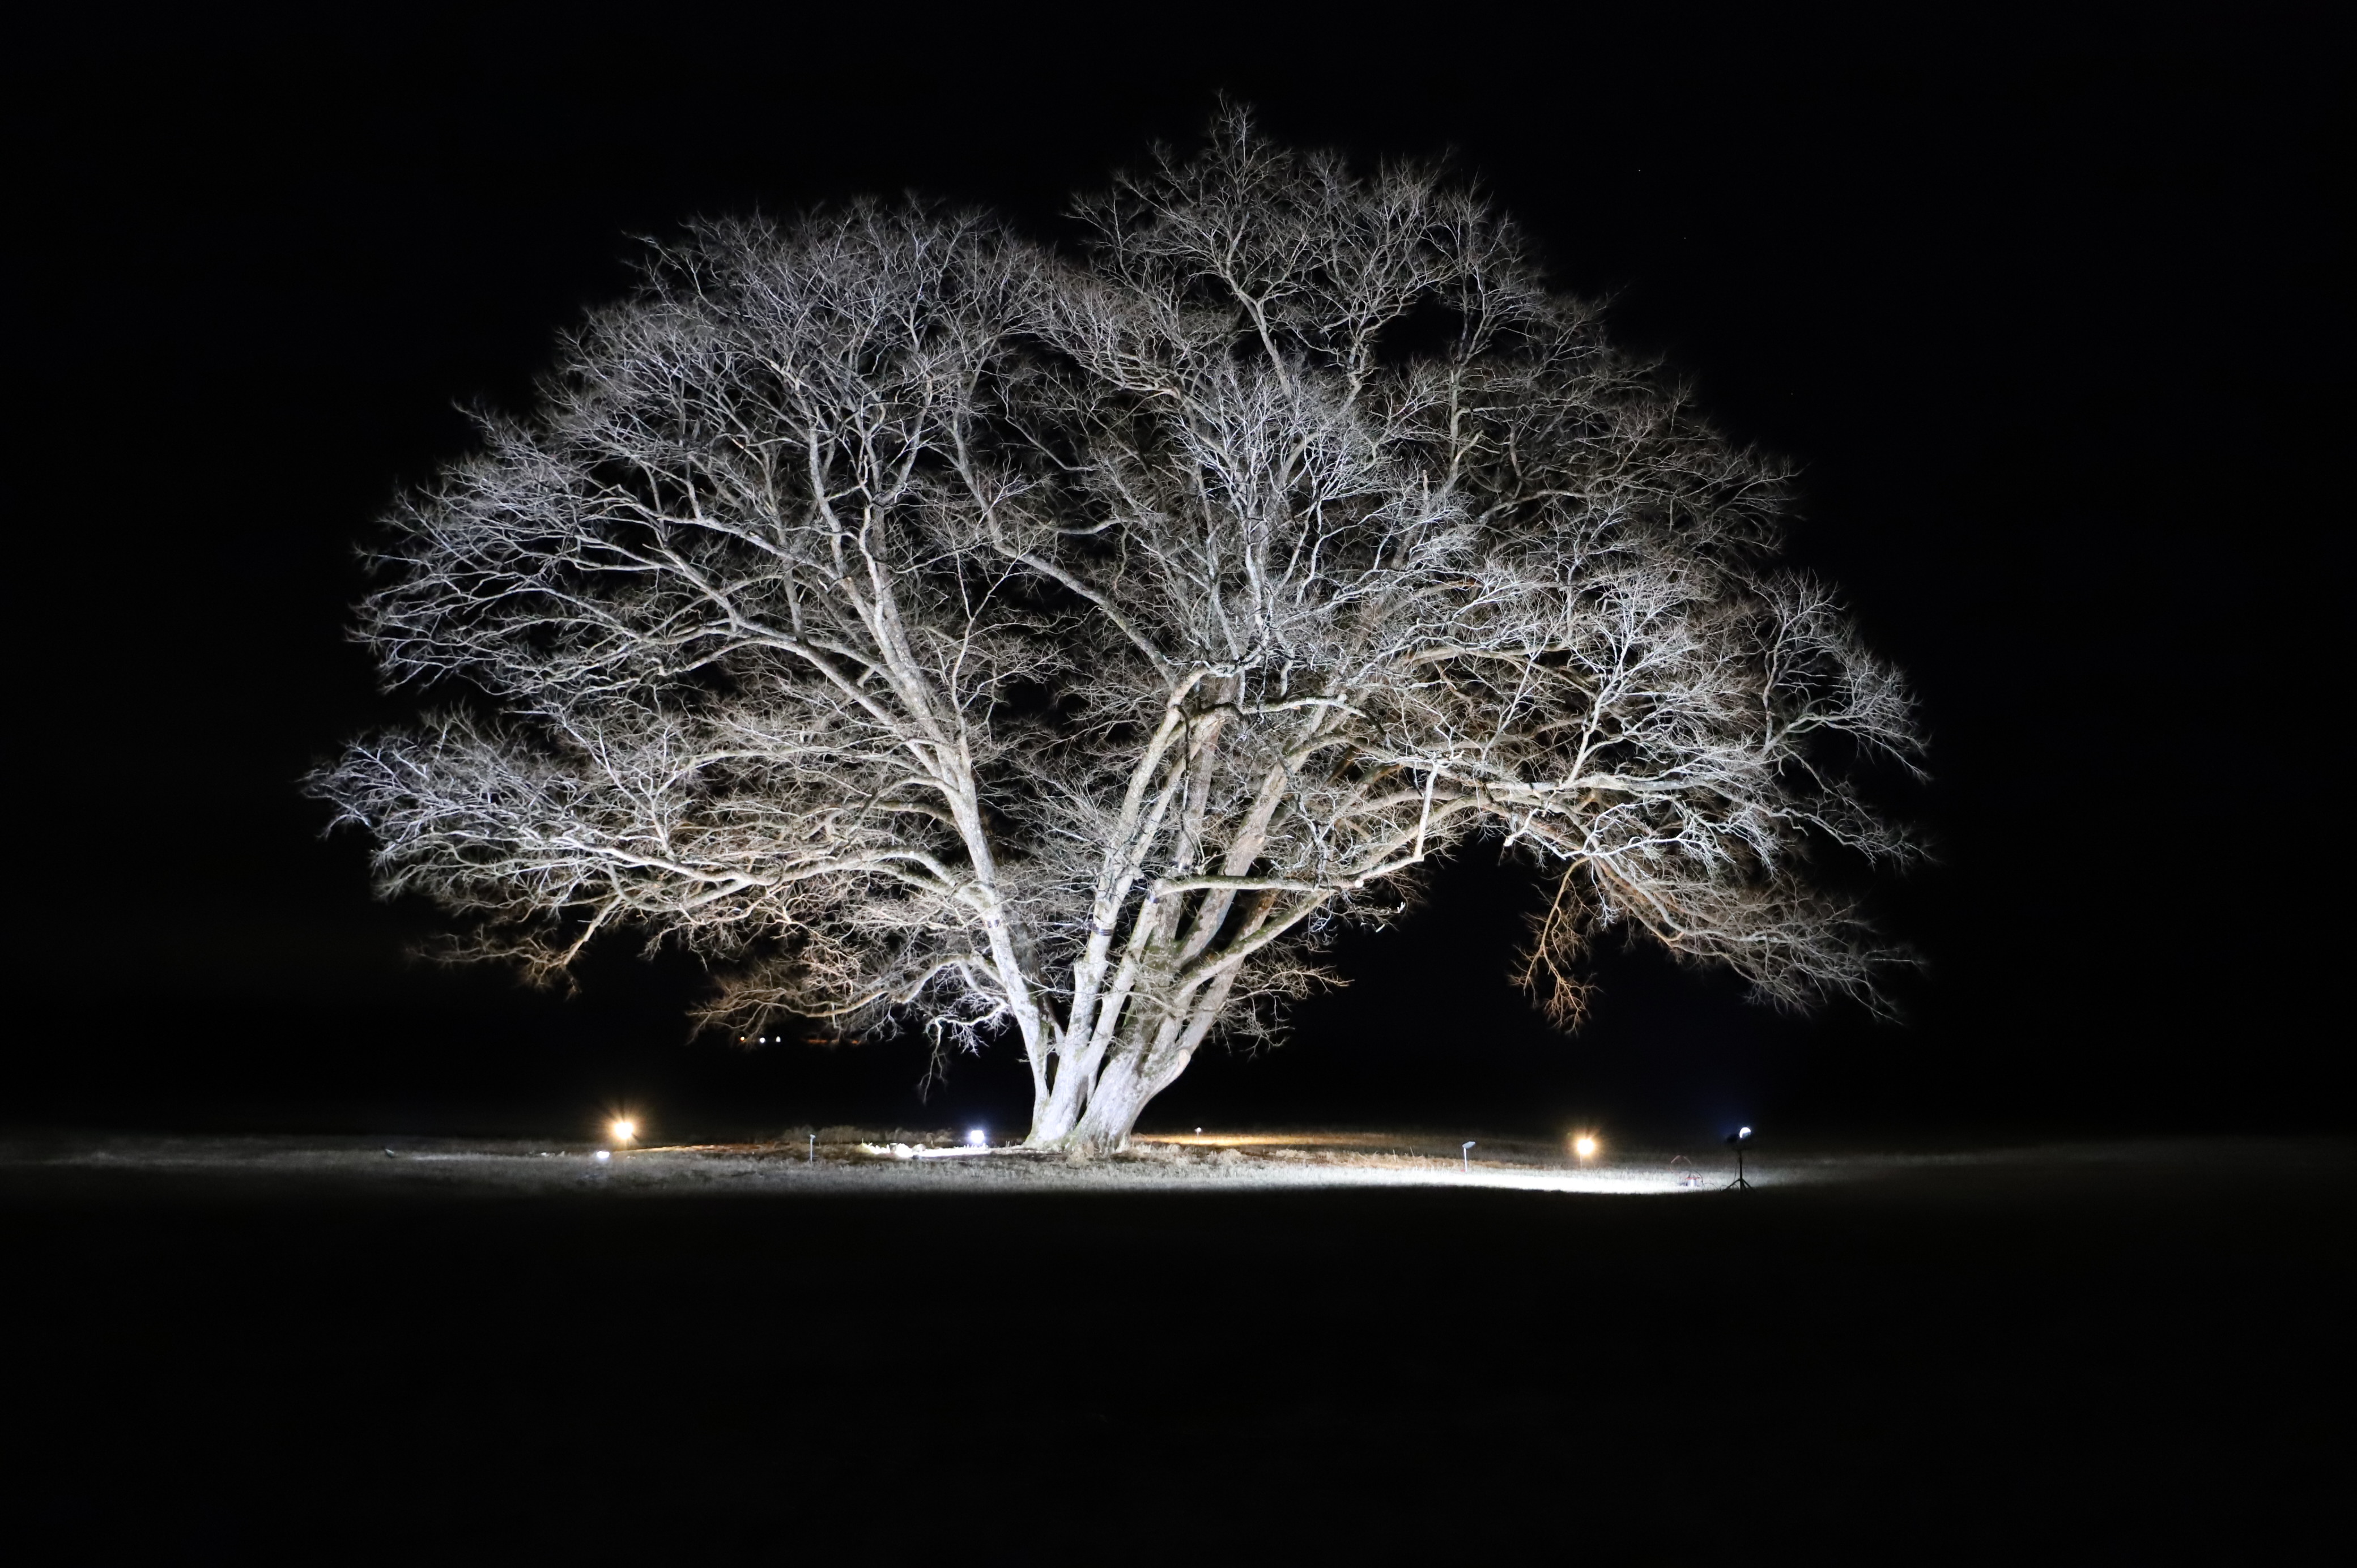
x,y
625,1130
974,1138
1584,1146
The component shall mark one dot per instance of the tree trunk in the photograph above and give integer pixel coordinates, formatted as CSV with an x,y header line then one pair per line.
x,y
1134,1071
1054,1112
1120,1093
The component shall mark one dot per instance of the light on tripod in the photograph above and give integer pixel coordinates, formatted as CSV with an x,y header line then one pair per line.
x,y
1737,1139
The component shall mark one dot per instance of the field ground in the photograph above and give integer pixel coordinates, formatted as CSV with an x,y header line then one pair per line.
x,y
843,1161
1305,1347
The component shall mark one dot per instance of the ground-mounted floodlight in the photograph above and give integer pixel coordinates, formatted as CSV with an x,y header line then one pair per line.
x,y
1739,1138
624,1129
975,1138
1584,1146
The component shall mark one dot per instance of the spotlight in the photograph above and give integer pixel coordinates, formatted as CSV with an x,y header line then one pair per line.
x,y
1584,1146
1737,1139
624,1129
977,1139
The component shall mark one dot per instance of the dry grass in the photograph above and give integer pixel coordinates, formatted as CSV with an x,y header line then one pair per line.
x,y
901,1160
843,1157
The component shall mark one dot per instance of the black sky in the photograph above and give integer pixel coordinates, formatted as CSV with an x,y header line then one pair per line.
x,y
2051,312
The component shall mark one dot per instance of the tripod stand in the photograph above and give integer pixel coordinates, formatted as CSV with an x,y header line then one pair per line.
x,y
1739,1184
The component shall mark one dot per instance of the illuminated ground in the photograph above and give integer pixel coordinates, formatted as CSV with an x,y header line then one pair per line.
x,y
875,1161
1334,1348
851,1162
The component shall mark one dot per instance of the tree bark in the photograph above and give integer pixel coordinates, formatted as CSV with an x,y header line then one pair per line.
x,y
1122,1091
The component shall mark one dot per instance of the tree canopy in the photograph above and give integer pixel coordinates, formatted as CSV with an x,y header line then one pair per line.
x,y
919,622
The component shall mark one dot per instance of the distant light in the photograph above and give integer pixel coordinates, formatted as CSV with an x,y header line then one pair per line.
x,y
1743,1132
1584,1146
975,1138
625,1130
602,1155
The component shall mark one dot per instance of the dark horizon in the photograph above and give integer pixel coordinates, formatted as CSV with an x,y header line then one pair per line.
x,y
2046,323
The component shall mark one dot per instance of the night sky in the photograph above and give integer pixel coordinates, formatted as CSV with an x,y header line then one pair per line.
x,y
2052,316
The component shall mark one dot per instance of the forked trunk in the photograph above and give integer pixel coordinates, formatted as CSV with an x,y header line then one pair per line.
x,y
1096,1117
1123,1090
1120,1094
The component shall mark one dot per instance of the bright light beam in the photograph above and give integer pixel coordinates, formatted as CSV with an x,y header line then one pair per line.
x,y
624,1129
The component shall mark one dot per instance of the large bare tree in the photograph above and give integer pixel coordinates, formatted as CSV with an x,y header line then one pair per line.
x,y
918,623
